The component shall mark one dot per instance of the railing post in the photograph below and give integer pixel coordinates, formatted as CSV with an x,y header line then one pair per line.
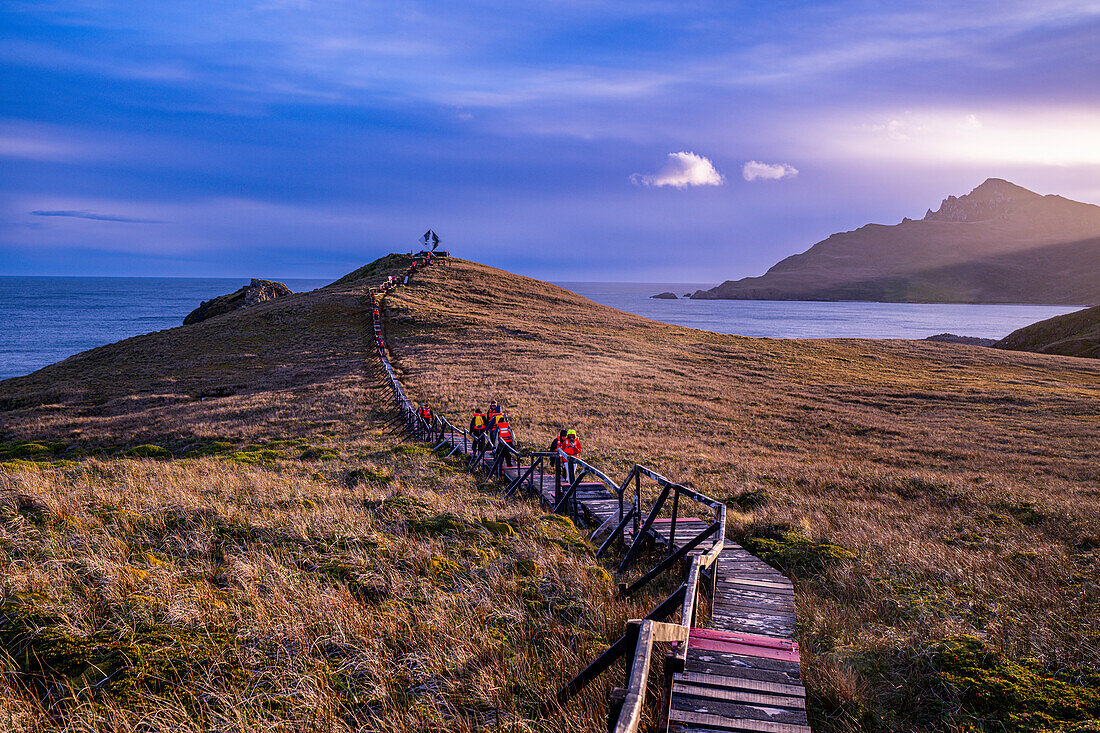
x,y
638,500
557,479
672,524
573,501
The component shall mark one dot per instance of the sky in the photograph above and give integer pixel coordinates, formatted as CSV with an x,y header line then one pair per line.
x,y
641,140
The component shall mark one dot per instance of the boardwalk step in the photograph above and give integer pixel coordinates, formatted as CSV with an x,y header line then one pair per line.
x,y
707,722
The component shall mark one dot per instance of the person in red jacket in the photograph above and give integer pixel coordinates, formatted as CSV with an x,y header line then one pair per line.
x,y
571,446
426,415
503,432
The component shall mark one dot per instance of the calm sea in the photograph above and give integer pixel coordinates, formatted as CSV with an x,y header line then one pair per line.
x,y
45,319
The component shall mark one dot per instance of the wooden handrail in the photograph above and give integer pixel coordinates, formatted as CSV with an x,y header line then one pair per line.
x,y
641,634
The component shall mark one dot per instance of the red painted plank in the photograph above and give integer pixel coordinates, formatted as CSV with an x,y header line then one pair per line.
x,y
668,520
736,637
747,650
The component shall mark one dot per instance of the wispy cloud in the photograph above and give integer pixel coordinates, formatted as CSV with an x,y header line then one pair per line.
x,y
94,216
754,170
681,170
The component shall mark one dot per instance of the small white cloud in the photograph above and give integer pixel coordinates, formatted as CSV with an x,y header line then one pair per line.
x,y
755,170
973,121
681,170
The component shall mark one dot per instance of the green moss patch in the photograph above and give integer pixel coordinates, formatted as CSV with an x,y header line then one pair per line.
x,y
148,451
791,551
123,664
442,524
313,453
258,456
214,448
997,693
559,530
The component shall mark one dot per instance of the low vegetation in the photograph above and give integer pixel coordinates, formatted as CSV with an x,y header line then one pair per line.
x,y
233,540
938,505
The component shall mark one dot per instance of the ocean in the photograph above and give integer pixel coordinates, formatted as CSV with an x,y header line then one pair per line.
x,y
46,319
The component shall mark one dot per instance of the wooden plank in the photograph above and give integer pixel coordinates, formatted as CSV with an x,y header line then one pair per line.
x,y
735,638
738,581
739,711
729,664
717,722
744,650
741,683
740,696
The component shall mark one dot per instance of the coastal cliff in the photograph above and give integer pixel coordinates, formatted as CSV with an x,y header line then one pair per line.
x,y
1001,243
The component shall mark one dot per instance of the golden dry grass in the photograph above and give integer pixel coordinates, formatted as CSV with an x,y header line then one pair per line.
x,y
301,571
965,479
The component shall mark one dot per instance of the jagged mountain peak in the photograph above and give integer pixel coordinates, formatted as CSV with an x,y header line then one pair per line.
x,y
994,198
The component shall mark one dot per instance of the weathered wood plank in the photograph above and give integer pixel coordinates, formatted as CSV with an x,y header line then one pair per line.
x,y
740,696
741,683
717,722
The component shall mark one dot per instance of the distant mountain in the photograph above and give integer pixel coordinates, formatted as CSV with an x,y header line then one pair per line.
x,y
1074,334
1000,243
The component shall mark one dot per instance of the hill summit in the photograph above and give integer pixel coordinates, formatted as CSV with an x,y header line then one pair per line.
x,y
996,198
1000,243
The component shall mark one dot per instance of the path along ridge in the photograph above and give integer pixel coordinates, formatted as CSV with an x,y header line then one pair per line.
x,y
740,671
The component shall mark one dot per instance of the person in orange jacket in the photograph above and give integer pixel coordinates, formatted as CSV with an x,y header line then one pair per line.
x,y
479,428
425,413
571,446
503,432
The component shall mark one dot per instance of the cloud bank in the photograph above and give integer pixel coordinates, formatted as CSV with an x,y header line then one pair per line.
x,y
94,216
754,170
681,170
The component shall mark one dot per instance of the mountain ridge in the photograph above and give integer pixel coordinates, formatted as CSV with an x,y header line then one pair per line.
x,y
977,248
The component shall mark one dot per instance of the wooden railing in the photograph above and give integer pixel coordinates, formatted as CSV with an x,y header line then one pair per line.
x,y
638,644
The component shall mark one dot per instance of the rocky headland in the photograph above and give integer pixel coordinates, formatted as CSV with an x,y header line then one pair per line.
x,y
1001,243
258,291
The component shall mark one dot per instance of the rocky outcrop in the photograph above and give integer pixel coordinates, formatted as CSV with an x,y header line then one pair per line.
x,y
1074,334
998,244
664,296
258,291
993,199
952,338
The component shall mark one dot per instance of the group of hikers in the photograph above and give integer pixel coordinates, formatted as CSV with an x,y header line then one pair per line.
x,y
491,426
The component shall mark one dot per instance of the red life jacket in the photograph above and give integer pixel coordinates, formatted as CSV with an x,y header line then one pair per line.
x,y
571,445
504,431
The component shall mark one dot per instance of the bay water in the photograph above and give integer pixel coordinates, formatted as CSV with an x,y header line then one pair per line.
x,y
46,319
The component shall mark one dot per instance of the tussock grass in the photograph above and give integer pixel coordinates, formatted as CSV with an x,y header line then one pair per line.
x,y
917,492
269,558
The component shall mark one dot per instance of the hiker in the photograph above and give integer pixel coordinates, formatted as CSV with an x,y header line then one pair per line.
x,y
492,412
503,432
425,413
572,447
479,428
557,442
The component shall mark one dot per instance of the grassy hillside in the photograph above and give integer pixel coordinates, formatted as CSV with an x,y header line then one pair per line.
x,y
1074,334
938,504
209,528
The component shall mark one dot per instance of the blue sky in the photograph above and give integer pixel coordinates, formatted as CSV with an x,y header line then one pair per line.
x,y
570,140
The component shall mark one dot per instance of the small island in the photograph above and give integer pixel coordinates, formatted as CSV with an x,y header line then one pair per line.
x,y
664,296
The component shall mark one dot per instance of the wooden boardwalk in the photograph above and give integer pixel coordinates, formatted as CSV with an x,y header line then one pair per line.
x,y
739,673
742,671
